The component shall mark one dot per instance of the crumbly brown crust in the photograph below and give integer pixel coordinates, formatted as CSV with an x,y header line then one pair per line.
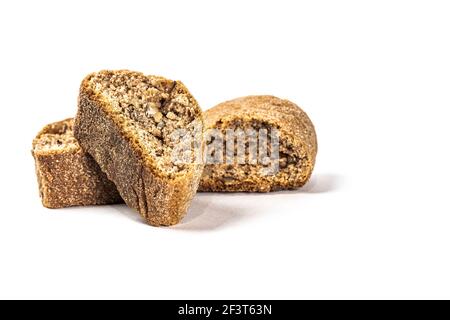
x,y
298,145
67,176
119,123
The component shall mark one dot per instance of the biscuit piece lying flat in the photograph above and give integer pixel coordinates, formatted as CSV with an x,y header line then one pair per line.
x,y
66,175
277,142
129,122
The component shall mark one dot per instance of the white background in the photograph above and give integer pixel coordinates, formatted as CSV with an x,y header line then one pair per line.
x,y
374,222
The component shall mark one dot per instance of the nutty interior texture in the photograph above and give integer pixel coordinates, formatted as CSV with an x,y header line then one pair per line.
x,y
276,169
152,107
56,137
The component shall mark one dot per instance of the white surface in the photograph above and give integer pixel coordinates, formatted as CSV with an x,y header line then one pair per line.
x,y
373,223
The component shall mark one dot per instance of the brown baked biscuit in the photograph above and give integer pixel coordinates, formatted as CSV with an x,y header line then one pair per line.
x,y
127,122
66,175
286,161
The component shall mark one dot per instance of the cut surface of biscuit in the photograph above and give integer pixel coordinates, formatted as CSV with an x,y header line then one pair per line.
x,y
279,146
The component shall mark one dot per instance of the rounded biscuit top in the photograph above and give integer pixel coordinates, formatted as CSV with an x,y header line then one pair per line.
x,y
269,109
56,138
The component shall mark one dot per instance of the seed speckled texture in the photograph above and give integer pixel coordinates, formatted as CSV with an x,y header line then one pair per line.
x,y
67,176
125,120
297,145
